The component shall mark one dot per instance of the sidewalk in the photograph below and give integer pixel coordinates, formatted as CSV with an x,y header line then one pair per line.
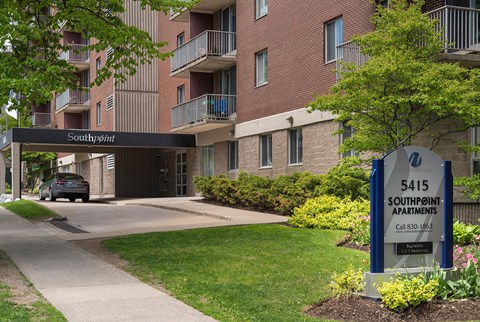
x,y
84,287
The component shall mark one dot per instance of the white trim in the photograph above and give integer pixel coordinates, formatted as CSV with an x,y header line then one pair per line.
x,y
280,121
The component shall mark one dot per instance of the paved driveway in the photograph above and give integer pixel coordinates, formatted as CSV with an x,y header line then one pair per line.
x,y
106,220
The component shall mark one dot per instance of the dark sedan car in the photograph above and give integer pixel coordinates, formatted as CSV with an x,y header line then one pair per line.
x,y
64,185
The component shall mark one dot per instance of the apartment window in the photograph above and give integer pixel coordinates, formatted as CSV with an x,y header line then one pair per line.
x,y
261,8
476,155
98,65
333,38
180,94
261,67
208,153
180,39
110,102
233,155
266,150
295,146
347,132
99,113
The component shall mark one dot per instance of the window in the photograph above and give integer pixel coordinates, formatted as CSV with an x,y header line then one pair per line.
x,y
347,132
261,8
180,94
180,39
266,150
232,155
98,65
99,113
333,38
208,153
109,104
86,120
110,161
476,155
261,67
295,146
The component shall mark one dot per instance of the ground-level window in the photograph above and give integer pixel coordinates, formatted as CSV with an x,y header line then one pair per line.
x,y
333,38
347,132
266,150
233,155
476,155
208,154
295,146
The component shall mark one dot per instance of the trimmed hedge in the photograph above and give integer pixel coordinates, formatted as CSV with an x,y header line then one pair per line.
x,y
285,193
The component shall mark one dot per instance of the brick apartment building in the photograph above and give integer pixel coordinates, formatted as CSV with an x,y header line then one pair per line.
x,y
240,78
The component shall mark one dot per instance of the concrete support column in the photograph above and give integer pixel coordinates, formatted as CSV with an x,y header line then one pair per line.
x,y
3,168
16,170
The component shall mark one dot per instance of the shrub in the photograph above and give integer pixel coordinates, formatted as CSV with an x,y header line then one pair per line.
x,y
254,190
347,179
403,292
464,234
349,282
205,186
361,231
224,189
329,212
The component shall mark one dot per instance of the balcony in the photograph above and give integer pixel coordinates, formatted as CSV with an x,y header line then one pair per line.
x,y
77,56
209,51
73,100
202,6
461,30
204,113
349,52
41,119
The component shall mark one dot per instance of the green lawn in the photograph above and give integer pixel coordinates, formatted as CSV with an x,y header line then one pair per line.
x,y
246,273
29,209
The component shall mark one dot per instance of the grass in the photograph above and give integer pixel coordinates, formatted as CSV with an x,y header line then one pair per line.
x,y
39,311
29,209
246,273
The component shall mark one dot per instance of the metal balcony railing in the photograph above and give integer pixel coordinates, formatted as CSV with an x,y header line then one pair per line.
x,y
459,26
204,108
76,54
73,96
40,119
349,52
208,43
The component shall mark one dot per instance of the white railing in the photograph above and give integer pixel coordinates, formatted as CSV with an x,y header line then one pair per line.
x,y
208,43
459,26
76,54
349,52
41,119
205,107
73,96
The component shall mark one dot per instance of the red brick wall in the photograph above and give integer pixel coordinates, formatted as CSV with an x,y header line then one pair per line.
x,y
432,5
99,94
199,22
72,121
293,33
200,83
168,32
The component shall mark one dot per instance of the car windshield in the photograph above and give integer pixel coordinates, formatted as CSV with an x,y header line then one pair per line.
x,y
69,176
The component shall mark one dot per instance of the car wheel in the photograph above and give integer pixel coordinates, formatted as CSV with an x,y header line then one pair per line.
x,y
85,199
50,195
71,199
40,196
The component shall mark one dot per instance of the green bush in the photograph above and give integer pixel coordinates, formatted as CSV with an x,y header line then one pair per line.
x,y
347,179
205,186
330,212
349,282
254,190
464,234
8,188
361,231
224,189
403,292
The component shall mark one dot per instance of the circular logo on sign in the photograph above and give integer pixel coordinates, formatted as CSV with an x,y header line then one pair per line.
x,y
415,159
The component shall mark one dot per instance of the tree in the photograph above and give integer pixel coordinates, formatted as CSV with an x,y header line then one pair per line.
x,y
30,43
402,92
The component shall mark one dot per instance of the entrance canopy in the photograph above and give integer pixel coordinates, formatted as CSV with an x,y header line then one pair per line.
x,y
19,140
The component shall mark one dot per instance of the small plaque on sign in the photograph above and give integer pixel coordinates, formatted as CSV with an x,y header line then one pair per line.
x,y
414,248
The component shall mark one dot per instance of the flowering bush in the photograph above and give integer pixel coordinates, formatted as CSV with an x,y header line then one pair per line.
x,y
361,231
464,234
348,282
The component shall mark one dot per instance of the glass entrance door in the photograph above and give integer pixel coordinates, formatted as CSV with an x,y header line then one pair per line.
x,y
181,175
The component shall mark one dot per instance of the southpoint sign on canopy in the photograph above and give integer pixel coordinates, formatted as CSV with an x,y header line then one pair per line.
x,y
411,207
90,138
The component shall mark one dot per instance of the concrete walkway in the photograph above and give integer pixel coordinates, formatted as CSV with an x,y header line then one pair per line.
x,y
84,287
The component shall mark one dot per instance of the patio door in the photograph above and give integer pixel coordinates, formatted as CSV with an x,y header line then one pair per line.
x,y
181,173
229,24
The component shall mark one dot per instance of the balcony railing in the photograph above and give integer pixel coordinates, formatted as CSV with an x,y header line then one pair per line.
x,y
73,97
459,26
76,54
349,52
40,119
209,43
209,107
